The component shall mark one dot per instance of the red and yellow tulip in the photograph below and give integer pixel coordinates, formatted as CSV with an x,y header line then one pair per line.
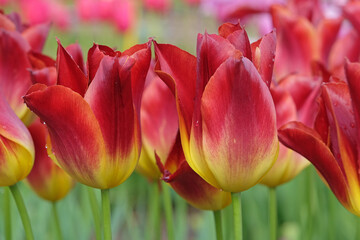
x,y
159,125
16,147
227,118
288,164
95,129
333,145
47,179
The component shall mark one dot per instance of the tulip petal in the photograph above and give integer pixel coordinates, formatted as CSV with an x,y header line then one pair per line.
x,y
346,47
75,52
69,73
95,55
304,90
46,178
352,71
263,52
110,98
6,23
16,147
190,185
45,76
14,76
159,121
36,36
327,32
351,11
237,36
39,60
296,42
184,77
308,143
239,141
75,134
212,51
289,163
142,54
343,132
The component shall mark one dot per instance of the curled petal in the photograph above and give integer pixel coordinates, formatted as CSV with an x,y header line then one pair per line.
x,y
308,143
76,137
263,52
95,55
239,141
16,147
237,36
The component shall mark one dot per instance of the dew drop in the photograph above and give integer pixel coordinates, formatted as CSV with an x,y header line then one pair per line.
x,y
4,127
197,123
352,124
335,104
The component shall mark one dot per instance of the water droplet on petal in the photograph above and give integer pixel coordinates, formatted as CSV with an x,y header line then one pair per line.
x,y
197,123
352,124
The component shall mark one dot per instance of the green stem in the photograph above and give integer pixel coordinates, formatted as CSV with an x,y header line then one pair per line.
x,y
312,201
331,217
218,224
7,214
153,218
168,211
95,211
238,229
57,222
106,213
22,211
273,213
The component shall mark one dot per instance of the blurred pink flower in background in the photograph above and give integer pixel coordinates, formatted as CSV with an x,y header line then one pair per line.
x,y
158,5
41,11
121,13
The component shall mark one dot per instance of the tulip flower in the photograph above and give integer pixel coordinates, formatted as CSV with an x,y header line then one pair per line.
x,y
159,124
300,43
16,149
47,179
16,43
95,131
288,164
332,147
228,133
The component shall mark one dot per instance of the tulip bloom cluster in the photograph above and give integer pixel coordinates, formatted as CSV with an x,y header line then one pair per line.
x,y
207,125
